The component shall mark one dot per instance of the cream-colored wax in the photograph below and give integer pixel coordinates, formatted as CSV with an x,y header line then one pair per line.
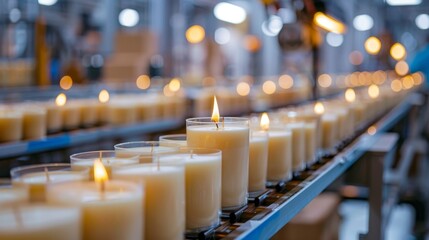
x,y
233,141
108,162
329,130
203,188
311,142
70,116
40,222
298,145
116,212
122,113
37,182
279,155
88,112
164,206
54,118
145,153
10,126
10,196
34,123
258,161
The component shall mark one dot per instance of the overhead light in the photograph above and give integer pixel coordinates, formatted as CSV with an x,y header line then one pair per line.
x,y
128,17
334,40
422,21
397,51
195,34
228,12
403,2
329,23
373,45
222,36
47,2
363,22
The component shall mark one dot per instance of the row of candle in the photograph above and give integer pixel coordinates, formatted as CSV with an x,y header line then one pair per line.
x,y
184,188
28,121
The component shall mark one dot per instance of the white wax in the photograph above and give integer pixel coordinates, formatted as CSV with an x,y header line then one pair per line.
x,y
145,153
40,222
203,188
115,213
298,145
233,141
311,142
34,124
329,130
258,161
279,155
37,182
165,198
12,196
108,162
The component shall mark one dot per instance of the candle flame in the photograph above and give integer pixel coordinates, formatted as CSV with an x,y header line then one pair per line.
x,y
319,108
100,173
61,99
350,95
103,96
265,121
215,114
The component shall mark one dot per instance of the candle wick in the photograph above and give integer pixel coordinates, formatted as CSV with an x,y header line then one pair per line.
x,y
151,148
223,122
217,126
157,163
48,178
192,154
102,186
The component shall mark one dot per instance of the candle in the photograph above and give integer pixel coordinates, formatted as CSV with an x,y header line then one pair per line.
x,y
122,112
164,207
40,222
110,209
85,160
329,130
102,107
298,145
144,149
231,136
10,125
12,196
258,160
202,184
54,118
37,177
34,122
148,111
88,112
311,142
279,166
173,140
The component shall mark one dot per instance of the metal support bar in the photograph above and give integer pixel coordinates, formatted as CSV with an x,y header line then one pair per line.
x,y
379,153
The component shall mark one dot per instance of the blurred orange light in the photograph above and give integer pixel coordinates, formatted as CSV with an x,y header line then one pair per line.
x,y
401,68
252,43
143,82
397,51
373,45
396,85
195,34
66,82
285,81
269,87
324,80
356,58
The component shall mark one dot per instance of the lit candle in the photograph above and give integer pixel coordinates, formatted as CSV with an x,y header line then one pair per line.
x,y
85,160
10,125
70,113
144,149
88,112
258,160
37,177
34,122
164,207
203,185
231,136
279,167
122,112
102,107
110,209
40,222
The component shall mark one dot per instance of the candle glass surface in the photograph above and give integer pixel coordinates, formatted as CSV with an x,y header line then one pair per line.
x,y
258,160
202,183
36,177
85,160
173,140
164,207
144,149
231,136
